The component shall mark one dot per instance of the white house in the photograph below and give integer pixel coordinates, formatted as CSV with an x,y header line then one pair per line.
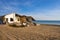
x,y
12,18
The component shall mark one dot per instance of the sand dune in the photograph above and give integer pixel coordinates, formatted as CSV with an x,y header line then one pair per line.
x,y
41,32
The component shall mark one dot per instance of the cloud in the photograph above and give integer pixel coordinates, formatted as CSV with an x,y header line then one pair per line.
x,y
50,15
46,14
37,8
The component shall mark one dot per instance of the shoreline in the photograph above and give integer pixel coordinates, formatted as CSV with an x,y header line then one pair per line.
x,y
50,24
40,25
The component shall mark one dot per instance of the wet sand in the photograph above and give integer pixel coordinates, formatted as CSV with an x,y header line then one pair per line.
x,y
40,32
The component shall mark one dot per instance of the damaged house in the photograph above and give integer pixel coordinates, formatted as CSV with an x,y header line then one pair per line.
x,y
18,20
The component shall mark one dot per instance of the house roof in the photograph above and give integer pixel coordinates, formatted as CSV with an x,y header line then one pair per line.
x,y
13,13
17,15
30,17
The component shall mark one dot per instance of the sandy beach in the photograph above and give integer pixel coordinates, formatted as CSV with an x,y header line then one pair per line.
x,y
40,32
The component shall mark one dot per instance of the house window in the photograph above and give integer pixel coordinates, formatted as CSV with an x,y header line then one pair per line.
x,y
11,19
18,19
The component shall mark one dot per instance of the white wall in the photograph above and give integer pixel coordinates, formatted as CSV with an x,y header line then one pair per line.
x,y
10,16
16,20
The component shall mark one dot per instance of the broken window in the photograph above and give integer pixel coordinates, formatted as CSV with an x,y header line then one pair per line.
x,y
11,19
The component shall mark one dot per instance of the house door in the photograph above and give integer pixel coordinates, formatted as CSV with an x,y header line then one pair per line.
x,y
6,20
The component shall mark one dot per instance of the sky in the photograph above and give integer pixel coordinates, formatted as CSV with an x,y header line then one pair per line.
x,y
39,9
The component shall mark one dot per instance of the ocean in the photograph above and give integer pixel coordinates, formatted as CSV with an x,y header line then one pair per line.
x,y
52,22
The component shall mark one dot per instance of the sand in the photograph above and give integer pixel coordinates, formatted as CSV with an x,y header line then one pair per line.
x,y
40,32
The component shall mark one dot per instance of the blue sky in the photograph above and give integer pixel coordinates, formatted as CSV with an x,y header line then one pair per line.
x,y
39,9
